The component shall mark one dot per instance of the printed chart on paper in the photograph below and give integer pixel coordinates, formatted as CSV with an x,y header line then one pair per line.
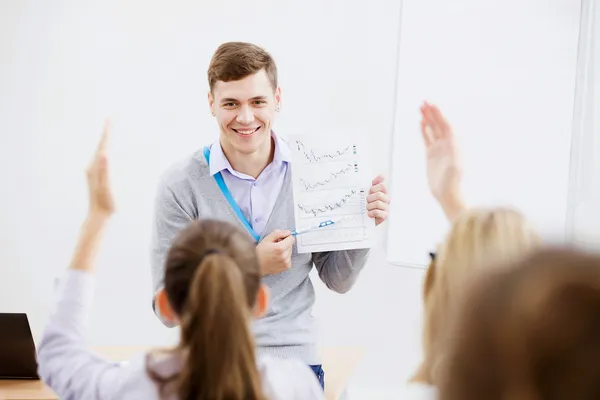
x,y
330,176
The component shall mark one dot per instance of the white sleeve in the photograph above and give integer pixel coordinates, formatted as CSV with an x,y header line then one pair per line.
x,y
290,380
65,363
418,391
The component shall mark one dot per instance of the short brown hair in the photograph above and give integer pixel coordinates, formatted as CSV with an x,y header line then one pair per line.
x,y
233,61
528,332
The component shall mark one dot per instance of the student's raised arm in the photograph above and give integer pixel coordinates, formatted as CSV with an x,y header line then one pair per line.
x,y
444,167
64,361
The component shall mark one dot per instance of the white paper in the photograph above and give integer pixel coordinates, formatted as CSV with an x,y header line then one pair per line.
x,y
331,178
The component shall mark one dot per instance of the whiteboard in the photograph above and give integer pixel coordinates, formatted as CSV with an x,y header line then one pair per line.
x,y
504,75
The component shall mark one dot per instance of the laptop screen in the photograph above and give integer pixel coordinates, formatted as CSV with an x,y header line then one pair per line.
x,y
17,349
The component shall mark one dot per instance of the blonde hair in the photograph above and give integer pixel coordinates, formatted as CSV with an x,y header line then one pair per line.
x,y
479,238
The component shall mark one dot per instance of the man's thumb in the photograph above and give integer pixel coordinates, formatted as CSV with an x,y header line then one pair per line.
x,y
279,234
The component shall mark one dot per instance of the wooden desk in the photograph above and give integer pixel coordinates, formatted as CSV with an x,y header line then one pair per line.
x,y
25,390
338,363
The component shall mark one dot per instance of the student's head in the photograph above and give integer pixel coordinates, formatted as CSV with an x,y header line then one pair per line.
x,y
478,239
529,332
213,288
244,96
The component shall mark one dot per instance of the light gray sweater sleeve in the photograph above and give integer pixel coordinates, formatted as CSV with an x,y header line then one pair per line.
x,y
170,217
339,269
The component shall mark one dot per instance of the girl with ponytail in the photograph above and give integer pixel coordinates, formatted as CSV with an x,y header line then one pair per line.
x,y
212,288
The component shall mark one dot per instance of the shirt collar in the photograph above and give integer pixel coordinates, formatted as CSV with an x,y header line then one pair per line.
x,y
282,150
219,162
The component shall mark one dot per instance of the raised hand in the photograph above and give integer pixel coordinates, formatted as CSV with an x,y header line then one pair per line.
x,y
444,167
100,191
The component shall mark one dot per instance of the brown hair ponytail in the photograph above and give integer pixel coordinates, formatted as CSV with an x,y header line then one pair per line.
x,y
212,279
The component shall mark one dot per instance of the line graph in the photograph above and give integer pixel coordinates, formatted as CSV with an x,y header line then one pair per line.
x,y
328,180
321,209
312,157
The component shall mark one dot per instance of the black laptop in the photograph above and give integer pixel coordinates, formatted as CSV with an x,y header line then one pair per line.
x,y
17,349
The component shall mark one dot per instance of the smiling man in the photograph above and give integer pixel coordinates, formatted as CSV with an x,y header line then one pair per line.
x,y
244,178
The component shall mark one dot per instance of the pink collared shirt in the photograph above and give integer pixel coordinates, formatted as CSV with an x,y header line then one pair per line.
x,y
255,197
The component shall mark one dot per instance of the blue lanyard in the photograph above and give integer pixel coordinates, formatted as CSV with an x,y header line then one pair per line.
x,y
225,190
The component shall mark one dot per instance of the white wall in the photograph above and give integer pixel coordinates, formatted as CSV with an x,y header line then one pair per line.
x,y
505,62
587,172
66,65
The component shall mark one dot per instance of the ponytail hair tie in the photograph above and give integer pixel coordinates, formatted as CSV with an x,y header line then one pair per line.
x,y
211,251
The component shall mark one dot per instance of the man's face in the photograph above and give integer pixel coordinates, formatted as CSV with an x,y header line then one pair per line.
x,y
245,110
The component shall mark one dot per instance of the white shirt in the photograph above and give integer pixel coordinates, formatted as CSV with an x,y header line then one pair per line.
x,y
418,391
73,371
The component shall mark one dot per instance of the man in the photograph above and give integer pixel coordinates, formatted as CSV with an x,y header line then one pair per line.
x,y
244,178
